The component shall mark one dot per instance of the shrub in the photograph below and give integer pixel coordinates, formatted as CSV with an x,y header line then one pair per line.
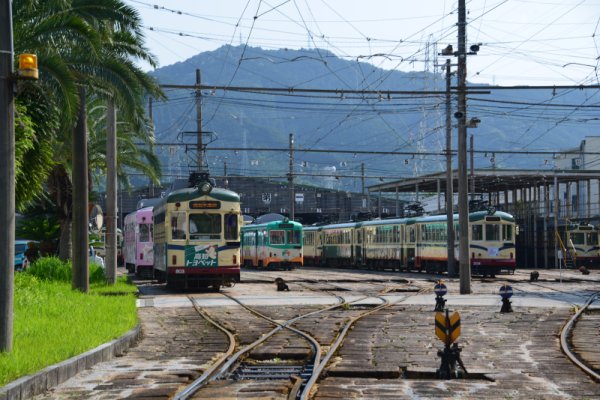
x,y
53,269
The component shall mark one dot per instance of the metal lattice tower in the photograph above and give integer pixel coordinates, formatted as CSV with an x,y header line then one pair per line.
x,y
431,120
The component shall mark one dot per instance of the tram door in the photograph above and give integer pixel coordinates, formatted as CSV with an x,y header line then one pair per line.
x,y
358,250
411,246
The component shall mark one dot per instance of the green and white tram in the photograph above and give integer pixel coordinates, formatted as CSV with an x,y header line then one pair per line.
x,y
418,243
273,244
197,237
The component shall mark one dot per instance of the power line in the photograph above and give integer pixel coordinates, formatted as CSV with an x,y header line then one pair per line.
x,y
377,152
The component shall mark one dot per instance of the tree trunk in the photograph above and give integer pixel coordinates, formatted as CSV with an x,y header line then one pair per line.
x,y
64,247
59,186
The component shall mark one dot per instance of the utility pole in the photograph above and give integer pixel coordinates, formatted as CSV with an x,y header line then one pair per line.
x,y
80,200
111,193
461,115
7,178
199,123
449,175
362,178
291,179
151,118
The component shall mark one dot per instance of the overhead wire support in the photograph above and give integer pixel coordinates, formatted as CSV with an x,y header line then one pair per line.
x,y
527,87
340,92
391,153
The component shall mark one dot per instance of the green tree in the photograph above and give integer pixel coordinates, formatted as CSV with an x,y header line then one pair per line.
x,y
93,43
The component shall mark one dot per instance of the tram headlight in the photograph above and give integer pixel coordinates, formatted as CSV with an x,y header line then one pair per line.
x,y
206,188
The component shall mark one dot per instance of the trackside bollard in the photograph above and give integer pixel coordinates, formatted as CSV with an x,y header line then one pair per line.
x,y
440,290
506,293
447,329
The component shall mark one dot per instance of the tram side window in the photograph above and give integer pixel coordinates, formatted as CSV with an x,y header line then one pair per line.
x,y
231,226
145,233
178,227
492,232
277,237
309,238
592,238
293,237
205,226
477,232
411,234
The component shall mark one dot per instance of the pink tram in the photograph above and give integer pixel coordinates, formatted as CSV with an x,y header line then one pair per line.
x,y
138,242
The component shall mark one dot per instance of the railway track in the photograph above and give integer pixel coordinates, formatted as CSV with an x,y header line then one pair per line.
x,y
300,377
578,349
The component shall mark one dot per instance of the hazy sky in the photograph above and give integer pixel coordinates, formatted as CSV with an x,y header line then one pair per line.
x,y
523,42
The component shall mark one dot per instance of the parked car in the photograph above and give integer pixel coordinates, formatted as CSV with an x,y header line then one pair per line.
x,y
20,248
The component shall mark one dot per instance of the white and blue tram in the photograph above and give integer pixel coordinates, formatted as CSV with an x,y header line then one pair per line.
x,y
197,237
418,243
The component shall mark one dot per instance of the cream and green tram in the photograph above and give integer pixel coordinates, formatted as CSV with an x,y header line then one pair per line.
x,y
197,237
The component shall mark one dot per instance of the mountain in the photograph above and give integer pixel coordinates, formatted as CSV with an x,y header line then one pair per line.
x,y
413,123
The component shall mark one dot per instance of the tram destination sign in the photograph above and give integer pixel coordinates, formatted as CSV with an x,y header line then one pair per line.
x,y
205,205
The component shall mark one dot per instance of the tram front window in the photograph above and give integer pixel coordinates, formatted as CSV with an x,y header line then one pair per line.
x,y
293,237
277,237
145,233
492,232
577,238
205,226
592,239
476,232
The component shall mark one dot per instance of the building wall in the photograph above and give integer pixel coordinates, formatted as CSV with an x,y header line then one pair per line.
x,y
260,196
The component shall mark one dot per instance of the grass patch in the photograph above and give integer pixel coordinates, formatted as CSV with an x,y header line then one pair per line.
x,y
52,322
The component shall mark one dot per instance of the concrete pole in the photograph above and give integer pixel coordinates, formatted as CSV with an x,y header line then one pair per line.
x,y
536,196
397,203
291,179
111,193
80,200
568,205
556,209
463,201
589,198
449,175
199,143
439,197
7,178
546,216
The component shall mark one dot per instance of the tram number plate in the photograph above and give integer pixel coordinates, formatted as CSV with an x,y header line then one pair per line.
x,y
476,263
180,271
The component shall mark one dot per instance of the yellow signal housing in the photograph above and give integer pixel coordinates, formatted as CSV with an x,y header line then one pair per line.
x,y
28,68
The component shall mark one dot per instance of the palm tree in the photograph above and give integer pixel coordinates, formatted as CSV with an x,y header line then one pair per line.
x,y
134,146
90,43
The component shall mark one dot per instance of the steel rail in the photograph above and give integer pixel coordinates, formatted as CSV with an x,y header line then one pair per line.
x,y
192,388
333,348
315,345
223,366
566,332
